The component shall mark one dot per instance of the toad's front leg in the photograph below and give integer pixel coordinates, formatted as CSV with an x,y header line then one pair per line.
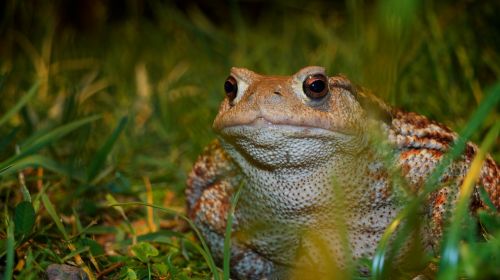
x,y
211,184
210,216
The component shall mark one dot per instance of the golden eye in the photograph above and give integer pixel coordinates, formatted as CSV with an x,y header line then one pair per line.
x,y
231,88
315,86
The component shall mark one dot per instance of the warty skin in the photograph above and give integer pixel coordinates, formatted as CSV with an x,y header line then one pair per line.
x,y
313,162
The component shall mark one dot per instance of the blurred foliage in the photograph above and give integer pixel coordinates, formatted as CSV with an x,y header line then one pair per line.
x,y
161,65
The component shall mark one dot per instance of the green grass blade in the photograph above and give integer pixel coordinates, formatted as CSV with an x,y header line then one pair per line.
x,y
7,139
206,255
486,106
46,163
20,104
22,183
380,257
486,199
227,236
100,157
53,214
432,183
9,267
33,145
75,252
449,263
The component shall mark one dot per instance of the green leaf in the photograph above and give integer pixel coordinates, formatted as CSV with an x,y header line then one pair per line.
x,y
204,250
161,269
144,250
95,248
24,217
27,97
100,158
131,275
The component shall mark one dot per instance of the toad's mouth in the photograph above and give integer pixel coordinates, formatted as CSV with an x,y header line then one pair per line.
x,y
271,145
263,124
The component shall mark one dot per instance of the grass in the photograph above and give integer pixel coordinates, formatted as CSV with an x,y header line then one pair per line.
x,y
93,103
449,264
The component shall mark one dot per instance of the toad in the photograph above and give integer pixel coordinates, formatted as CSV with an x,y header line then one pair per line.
x,y
310,154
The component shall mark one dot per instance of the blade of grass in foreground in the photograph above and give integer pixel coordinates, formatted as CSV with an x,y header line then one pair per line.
x,y
227,236
432,183
205,252
486,199
9,267
448,265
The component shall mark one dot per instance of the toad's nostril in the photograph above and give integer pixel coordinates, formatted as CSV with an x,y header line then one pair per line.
x,y
277,93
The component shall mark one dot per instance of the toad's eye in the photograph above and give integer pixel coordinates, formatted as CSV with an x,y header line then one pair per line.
x,y
315,86
231,88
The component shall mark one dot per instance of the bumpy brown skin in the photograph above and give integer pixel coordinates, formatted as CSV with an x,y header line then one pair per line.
x,y
210,186
283,202
421,143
